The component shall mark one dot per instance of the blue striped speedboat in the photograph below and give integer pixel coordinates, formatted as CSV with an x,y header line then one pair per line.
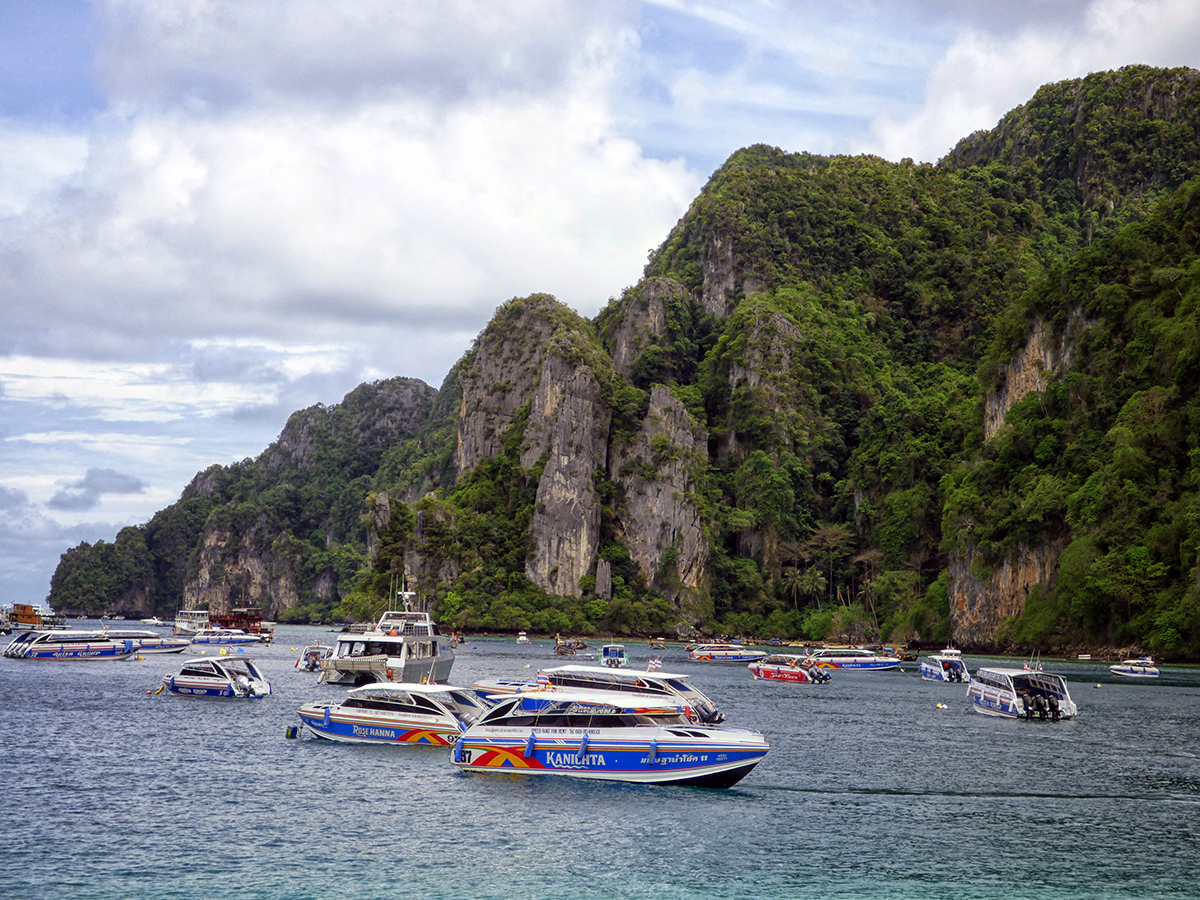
x,y
64,643
232,677
607,735
394,713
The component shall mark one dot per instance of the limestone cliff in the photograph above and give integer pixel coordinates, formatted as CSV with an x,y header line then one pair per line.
x,y
244,567
657,473
1045,356
980,605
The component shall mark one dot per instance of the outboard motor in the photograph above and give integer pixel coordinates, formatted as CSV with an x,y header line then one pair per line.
x,y
1055,712
1027,705
1042,706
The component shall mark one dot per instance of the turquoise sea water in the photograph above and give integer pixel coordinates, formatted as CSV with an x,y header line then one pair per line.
x,y
869,791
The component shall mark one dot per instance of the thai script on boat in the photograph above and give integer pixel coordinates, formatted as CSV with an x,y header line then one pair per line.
x,y
674,759
575,760
74,654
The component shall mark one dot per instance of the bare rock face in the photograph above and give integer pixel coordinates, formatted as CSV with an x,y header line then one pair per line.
x,y
644,317
499,376
568,427
657,475
537,351
1044,357
267,576
979,606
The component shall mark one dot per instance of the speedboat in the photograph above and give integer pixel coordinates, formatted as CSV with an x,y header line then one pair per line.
x,y
311,656
607,735
788,667
522,637
150,641
945,666
225,636
65,643
404,646
1142,667
853,658
390,713
1020,694
722,652
656,682
234,677
613,656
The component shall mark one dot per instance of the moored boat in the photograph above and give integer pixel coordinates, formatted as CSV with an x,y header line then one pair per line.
x,y
606,735
191,621
1020,694
403,646
788,667
224,636
725,652
945,666
853,658
311,656
1142,667
149,641
656,682
391,713
27,617
613,656
65,643
232,677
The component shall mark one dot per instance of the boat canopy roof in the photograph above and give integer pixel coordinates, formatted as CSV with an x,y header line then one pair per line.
x,y
406,687
630,675
621,700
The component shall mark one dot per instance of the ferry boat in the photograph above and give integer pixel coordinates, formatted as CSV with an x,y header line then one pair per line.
x,y
722,652
945,666
65,643
191,621
145,641
403,646
225,636
390,713
853,658
230,677
613,656
245,619
26,617
1142,667
607,735
656,682
788,667
1020,694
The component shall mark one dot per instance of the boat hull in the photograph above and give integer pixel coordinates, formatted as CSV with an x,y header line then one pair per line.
x,y
638,760
861,665
215,688
98,649
798,675
331,723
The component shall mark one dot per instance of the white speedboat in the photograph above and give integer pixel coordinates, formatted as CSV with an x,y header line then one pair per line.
x,y
613,656
1020,694
608,735
66,643
945,666
655,682
150,641
1142,667
311,656
390,713
725,652
522,637
231,677
788,667
403,646
231,637
853,658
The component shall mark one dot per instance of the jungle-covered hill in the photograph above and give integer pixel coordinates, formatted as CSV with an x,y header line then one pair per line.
x,y
849,399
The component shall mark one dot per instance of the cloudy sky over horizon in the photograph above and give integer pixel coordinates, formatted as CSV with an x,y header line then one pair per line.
x,y
215,212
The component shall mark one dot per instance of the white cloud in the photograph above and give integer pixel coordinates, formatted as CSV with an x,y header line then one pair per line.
x,y
983,74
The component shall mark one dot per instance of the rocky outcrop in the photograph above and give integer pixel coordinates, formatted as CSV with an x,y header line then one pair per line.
x,y
371,418
724,279
980,605
1045,356
657,475
643,318
247,568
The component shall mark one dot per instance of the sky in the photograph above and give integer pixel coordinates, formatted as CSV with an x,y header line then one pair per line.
x,y
216,212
